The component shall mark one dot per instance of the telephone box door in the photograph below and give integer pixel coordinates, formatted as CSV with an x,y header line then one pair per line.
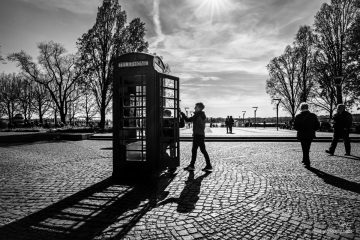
x,y
169,119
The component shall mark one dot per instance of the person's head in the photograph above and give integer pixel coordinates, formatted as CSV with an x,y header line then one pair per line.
x,y
304,107
167,113
230,116
199,107
340,108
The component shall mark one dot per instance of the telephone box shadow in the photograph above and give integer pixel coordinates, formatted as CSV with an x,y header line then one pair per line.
x,y
103,207
189,195
336,181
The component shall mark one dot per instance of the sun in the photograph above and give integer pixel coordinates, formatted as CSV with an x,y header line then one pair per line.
x,y
213,8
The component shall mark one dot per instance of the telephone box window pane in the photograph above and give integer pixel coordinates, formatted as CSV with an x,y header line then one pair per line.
x,y
169,103
168,93
168,83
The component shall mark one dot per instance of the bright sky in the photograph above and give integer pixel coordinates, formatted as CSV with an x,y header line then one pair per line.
x,y
218,48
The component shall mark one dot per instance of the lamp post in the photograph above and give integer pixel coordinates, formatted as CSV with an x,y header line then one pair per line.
x,y
244,117
338,81
277,112
255,109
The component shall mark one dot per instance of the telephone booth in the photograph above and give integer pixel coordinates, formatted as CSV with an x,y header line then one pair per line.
x,y
145,117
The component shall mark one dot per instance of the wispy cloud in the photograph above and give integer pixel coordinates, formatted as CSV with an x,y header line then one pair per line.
x,y
157,24
78,6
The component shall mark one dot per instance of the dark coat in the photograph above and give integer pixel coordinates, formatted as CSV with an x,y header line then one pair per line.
x,y
198,121
306,124
342,121
231,121
227,121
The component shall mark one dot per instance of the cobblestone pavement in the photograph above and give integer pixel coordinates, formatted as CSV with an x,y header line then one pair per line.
x,y
61,190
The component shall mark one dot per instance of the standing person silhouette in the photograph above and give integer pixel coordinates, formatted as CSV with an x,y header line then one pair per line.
x,y
227,122
306,124
198,121
342,123
231,123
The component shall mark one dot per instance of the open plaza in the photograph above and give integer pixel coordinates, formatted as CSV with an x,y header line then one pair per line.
x,y
258,190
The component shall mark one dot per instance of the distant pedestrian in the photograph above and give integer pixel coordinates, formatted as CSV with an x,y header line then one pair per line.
x,y
198,121
231,123
306,124
342,124
227,120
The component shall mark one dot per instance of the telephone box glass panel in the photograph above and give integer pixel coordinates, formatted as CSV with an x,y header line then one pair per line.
x,y
132,133
169,121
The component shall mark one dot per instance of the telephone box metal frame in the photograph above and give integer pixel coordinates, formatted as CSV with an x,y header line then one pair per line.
x,y
141,94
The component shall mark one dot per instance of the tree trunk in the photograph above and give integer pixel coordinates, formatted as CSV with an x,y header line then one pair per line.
x,y
62,117
55,116
25,114
102,116
40,115
9,114
331,113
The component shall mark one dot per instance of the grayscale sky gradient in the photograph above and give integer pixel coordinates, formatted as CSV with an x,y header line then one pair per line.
x,y
218,48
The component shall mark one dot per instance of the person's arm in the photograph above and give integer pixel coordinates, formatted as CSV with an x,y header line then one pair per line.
x,y
186,118
348,121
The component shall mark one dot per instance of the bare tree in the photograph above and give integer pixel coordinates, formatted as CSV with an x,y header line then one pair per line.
x,y
57,72
26,97
304,46
108,38
10,85
333,28
41,100
284,80
324,92
88,103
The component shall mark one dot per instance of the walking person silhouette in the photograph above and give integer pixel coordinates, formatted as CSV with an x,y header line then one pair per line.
x,y
306,123
198,121
342,123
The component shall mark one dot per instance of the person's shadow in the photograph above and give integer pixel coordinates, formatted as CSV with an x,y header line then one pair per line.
x,y
336,181
352,157
189,195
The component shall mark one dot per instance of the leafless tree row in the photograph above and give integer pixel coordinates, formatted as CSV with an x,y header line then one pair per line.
x,y
307,68
72,84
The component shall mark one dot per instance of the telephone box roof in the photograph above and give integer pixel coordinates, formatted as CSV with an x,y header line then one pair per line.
x,y
158,62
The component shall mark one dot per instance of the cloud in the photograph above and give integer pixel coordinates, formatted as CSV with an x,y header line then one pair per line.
x,y
220,52
78,6
157,24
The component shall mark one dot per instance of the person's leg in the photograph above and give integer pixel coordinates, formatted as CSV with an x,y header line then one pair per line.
x,y
347,143
334,143
307,146
204,152
304,150
194,150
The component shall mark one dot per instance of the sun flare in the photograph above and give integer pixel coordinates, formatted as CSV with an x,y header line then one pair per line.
x,y
213,8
